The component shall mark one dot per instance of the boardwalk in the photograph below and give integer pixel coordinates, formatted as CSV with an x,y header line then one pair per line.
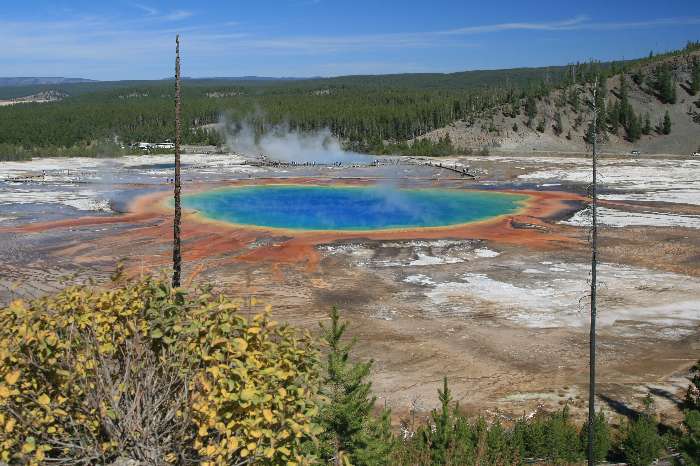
x,y
461,171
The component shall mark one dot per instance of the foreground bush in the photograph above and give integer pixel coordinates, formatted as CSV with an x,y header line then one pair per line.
x,y
152,374
145,372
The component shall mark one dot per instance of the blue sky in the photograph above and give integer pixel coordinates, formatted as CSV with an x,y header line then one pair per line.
x,y
134,40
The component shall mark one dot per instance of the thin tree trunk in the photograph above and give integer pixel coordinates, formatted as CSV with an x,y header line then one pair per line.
x,y
336,459
177,255
594,266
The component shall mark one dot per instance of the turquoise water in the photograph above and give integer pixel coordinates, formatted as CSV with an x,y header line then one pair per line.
x,y
349,208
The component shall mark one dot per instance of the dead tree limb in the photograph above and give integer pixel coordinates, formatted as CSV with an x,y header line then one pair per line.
x,y
594,266
177,254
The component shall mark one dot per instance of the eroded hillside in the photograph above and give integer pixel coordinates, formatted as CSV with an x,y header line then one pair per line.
x,y
634,101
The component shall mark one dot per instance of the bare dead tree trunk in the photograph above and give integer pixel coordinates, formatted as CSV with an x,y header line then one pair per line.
x,y
594,266
177,255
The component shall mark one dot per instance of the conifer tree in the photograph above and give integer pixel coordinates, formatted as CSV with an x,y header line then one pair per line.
x,y
624,106
665,85
442,432
642,443
695,77
562,441
646,129
689,444
666,127
601,434
531,110
350,429
450,439
499,448
614,117
377,440
634,129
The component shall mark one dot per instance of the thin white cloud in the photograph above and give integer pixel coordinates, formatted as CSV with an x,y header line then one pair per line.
x,y
577,23
177,15
149,10
566,24
131,43
154,14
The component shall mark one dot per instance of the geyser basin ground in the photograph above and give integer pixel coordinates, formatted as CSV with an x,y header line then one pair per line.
x,y
350,208
423,302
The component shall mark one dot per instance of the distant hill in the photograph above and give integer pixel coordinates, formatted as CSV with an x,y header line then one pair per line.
x,y
561,117
34,81
242,78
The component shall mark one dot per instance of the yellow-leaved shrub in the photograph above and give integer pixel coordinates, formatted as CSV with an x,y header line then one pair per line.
x,y
155,374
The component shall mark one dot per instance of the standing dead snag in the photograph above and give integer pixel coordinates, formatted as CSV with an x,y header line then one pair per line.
x,y
177,255
594,265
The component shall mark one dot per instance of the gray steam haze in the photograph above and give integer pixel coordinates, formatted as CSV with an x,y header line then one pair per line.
x,y
285,145
321,146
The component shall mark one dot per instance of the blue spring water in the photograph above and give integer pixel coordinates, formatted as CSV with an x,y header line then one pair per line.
x,y
303,207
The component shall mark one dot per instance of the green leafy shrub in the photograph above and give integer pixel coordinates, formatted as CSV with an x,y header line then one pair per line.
x,y
154,374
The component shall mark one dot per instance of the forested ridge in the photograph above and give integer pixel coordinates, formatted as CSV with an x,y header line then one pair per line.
x,y
369,113
352,110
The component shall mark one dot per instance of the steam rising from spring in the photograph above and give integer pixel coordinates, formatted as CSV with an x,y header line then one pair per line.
x,y
286,145
283,144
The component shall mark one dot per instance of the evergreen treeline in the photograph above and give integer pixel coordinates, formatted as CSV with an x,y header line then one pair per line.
x,y
364,116
363,110
370,113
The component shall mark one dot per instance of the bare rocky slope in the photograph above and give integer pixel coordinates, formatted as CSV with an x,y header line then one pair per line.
x,y
504,129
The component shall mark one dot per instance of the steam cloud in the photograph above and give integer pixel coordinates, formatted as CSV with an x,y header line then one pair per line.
x,y
285,145
321,146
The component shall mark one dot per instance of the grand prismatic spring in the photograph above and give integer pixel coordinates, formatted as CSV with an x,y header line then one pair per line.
x,y
350,208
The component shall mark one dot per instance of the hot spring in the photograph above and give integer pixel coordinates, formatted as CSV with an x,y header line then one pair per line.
x,y
352,208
